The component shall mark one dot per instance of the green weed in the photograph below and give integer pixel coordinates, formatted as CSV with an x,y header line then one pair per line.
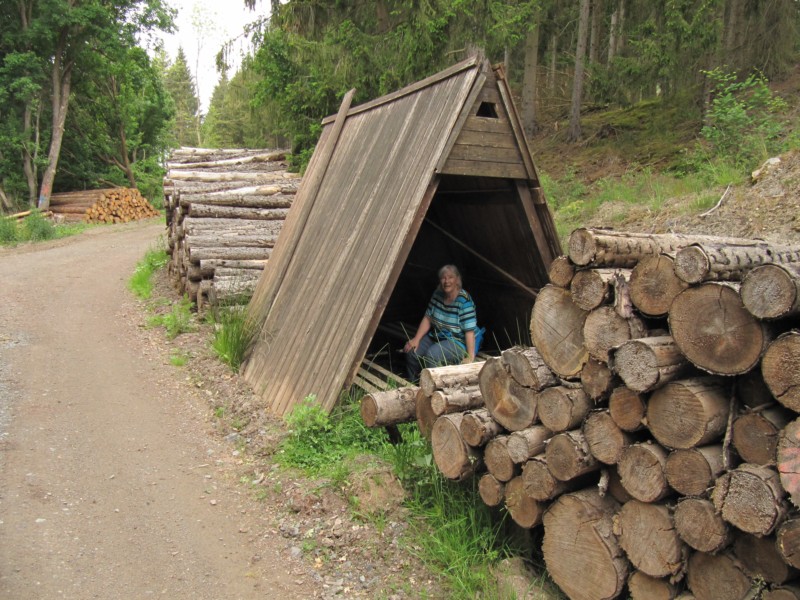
x,y
178,358
141,282
177,321
9,231
37,228
232,336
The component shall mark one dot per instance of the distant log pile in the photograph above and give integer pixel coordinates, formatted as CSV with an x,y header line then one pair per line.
x,y
652,430
112,205
225,209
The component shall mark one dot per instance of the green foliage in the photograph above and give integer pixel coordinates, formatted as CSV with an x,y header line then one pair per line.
x,y
141,282
232,335
181,87
178,358
744,121
178,320
37,227
9,232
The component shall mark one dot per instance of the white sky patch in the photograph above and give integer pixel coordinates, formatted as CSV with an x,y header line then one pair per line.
x,y
202,27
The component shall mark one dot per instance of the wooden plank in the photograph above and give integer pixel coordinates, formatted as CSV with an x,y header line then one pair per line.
x,y
400,381
366,385
516,123
465,112
483,124
548,245
488,94
485,138
481,153
484,169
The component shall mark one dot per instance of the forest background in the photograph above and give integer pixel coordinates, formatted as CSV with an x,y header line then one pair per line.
x,y
681,86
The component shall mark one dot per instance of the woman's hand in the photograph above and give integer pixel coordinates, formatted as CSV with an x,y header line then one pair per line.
x,y
468,360
412,344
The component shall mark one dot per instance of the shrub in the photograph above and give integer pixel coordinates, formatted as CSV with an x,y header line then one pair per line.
x,y
9,231
37,227
232,335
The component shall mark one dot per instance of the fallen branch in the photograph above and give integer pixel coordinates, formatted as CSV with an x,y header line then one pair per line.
x,y
718,204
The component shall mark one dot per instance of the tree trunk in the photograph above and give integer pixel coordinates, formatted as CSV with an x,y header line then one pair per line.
x,y
512,405
693,471
562,408
597,380
539,481
497,460
717,577
654,285
761,558
592,288
451,376
729,262
29,166
788,542
689,413
61,76
528,368
699,525
425,416
604,329
594,35
454,458
644,587
525,511
561,272
524,445
568,456
627,408
551,72
772,291
478,427
788,460
755,434
575,133
456,399
578,539
642,471
605,439
234,212
781,369
751,498
390,407
491,491
647,534
648,363
782,592
557,331
529,79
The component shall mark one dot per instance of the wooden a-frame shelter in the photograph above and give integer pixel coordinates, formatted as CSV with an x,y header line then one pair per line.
x,y
437,172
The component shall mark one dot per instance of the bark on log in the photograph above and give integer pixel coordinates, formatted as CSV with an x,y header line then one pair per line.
x,y
273,199
425,416
605,439
772,291
456,399
597,379
627,408
220,240
491,491
561,408
232,212
451,376
729,262
453,456
642,471
557,331
787,540
780,368
390,407
689,413
604,248
752,392
647,534
648,363
654,285
198,254
755,434
761,558
782,592
512,405
478,427
525,444
497,460
561,271
751,498
644,587
524,510
717,577
591,288
539,481
693,472
613,486
788,460
568,456
200,226
528,368
604,329
700,526
578,538
714,331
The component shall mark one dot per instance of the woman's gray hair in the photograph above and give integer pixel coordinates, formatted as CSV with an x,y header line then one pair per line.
x,y
454,270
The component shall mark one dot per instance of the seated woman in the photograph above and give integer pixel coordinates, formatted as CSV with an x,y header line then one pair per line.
x,y
446,334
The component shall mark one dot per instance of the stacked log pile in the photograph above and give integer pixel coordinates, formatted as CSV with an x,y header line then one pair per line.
x,y
225,209
112,205
652,430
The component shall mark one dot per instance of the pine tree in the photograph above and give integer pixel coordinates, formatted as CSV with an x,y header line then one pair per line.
x,y
181,87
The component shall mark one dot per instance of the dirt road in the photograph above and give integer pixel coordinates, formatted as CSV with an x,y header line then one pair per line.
x,y
108,483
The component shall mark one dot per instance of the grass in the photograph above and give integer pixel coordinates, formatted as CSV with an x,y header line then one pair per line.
x,y
178,358
35,228
232,336
178,320
141,282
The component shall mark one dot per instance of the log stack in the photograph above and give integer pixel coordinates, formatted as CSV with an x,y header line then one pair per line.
x,y
112,205
652,430
225,209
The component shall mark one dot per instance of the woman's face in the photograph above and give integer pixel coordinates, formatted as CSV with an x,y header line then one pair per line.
x,y
449,282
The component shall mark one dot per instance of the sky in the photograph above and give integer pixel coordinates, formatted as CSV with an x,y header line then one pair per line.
x,y
202,27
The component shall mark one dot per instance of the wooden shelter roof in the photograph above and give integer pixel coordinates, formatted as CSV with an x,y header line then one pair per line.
x,y
357,213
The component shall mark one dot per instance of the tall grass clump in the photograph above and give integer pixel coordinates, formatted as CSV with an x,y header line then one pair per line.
x,y
37,228
232,335
9,231
141,282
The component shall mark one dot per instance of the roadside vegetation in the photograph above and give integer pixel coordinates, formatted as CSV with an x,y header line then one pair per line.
x,y
35,228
